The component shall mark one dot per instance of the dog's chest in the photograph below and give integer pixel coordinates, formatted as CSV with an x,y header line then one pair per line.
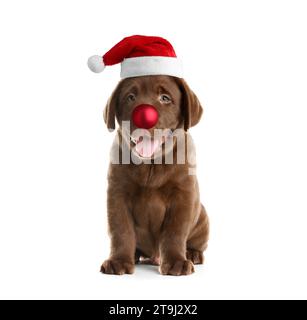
x,y
148,210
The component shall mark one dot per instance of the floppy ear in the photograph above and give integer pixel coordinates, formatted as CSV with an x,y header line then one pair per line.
x,y
109,112
191,107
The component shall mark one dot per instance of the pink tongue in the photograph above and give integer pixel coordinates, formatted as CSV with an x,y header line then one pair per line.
x,y
147,147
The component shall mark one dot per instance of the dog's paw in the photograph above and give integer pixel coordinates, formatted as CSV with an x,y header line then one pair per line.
x,y
177,268
117,267
195,256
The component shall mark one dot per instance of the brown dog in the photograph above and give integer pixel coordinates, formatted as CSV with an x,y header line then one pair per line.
x,y
154,210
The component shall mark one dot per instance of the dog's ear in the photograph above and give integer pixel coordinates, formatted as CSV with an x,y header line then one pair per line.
x,y
191,107
110,109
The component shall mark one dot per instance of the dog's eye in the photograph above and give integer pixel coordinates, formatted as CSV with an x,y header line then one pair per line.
x,y
131,97
164,98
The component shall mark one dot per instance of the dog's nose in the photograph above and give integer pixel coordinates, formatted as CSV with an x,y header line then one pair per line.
x,y
145,116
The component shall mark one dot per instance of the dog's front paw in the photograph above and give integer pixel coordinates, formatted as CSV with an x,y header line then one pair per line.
x,y
177,268
115,266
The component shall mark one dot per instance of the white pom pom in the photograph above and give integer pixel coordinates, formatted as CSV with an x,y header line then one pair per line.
x,y
95,63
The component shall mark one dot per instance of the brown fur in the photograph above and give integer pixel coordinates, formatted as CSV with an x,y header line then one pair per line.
x,y
154,210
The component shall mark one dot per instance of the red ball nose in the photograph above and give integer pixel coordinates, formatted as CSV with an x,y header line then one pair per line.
x,y
145,116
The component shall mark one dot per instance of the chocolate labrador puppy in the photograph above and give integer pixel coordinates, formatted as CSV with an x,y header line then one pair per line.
x,y
154,210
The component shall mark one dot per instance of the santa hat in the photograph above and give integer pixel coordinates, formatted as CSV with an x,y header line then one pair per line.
x,y
140,56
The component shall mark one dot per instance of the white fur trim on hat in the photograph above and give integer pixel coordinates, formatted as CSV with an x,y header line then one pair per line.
x,y
95,63
152,65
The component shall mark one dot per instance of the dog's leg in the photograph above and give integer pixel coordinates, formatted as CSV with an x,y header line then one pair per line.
x,y
198,239
123,243
174,238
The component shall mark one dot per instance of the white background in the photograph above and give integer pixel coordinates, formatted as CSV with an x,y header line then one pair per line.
x,y
246,60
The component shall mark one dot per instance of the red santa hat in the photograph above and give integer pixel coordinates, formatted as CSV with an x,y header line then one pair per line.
x,y
140,56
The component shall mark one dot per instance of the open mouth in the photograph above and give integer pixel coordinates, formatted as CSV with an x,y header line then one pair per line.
x,y
146,146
